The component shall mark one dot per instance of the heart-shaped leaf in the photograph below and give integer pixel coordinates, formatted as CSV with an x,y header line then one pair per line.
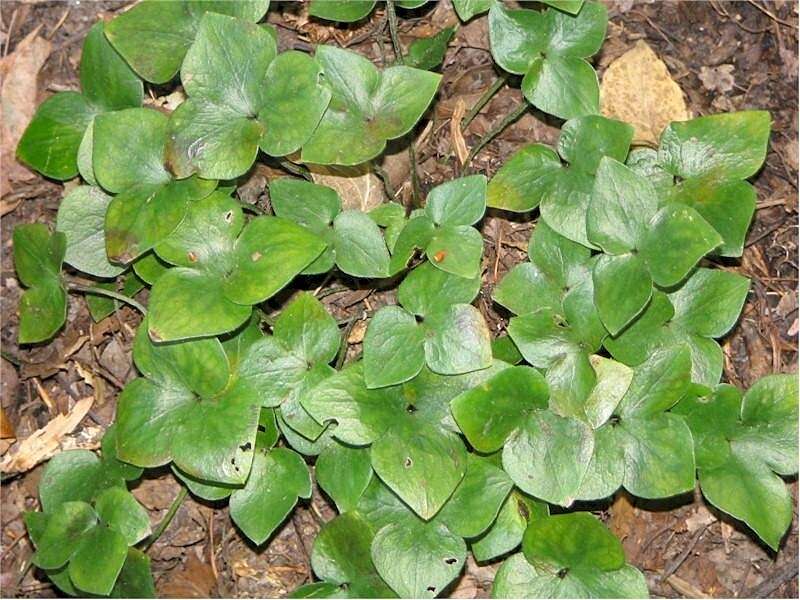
x,y
224,266
153,37
51,141
38,255
277,478
743,445
450,337
81,217
644,244
569,556
706,306
550,49
534,175
367,107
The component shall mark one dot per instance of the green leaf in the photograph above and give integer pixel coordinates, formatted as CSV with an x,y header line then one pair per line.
x,y
568,6
677,239
359,246
344,472
98,560
504,348
457,250
306,328
707,305
659,461
69,477
729,146
225,273
135,579
573,541
367,107
129,148
215,141
584,141
341,557
118,509
428,53
224,74
309,204
393,348
742,445
506,532
81,217
622,289
458,202
184,410
144,215
457,340
417,559
420,463
728,206
149,267
466,9
565,86
520,184
477,500
64,529
415,235
658,384
518,578
548,456
343,11
426,290
153,37
549,49
38,255
113,467
51,140
489,414
623,204
278,477
269,253
107,81
293,103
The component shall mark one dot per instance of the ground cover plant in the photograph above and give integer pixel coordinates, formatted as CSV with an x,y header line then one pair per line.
x,y
437,442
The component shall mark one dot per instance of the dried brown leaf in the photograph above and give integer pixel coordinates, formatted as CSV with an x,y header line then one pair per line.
x,y
638,89
358,187
19,71
456,137
194,579
45,442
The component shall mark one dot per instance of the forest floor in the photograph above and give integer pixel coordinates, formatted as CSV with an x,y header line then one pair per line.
x,y
724,55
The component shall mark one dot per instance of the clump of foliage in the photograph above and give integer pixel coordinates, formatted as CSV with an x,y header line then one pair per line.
x,y
438,441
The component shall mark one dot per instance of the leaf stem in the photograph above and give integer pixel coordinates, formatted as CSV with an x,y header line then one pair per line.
x,y
493,133
96,291
483,100
295,169
173,509
416,191
392,16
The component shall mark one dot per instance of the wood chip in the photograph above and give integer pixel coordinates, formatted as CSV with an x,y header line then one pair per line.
x,y
456,137
638,89
45,442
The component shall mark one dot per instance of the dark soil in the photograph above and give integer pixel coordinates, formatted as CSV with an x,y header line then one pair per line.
x,y
684,547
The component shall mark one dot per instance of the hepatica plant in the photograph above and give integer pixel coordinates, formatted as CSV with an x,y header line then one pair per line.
x,y
431,440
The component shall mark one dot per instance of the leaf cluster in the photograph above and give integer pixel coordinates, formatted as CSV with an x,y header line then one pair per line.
x,y
436,440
